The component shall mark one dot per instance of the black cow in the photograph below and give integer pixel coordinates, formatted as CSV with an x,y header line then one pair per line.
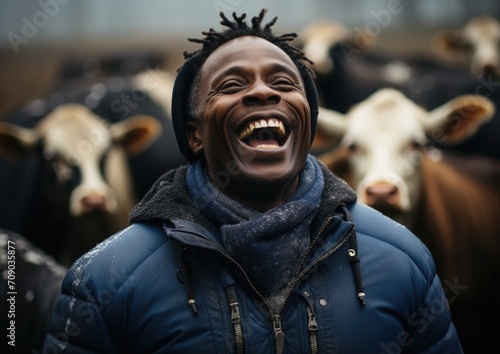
x,y
29,289
34,203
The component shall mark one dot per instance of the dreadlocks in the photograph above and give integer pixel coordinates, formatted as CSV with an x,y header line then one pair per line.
x,y
238,28
184,103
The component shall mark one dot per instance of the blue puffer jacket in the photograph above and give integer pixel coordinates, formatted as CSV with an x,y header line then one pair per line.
x,y
164,285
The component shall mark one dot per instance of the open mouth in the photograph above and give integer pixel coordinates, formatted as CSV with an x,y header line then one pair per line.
x,y
264,133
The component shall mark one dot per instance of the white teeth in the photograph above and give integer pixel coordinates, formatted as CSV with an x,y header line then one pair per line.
x,y
262,123
267,146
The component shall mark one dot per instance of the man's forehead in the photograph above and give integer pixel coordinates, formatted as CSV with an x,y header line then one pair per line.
x,y
247,47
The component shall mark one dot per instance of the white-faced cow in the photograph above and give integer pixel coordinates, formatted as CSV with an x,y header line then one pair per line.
x,y
124,87
478,41
86,183
350,67
148,92
451,203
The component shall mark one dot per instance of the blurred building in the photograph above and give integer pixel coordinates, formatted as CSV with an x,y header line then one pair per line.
x,y
36,35
70,20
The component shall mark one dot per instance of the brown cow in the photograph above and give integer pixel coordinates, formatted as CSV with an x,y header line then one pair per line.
x,y
88,156
451,203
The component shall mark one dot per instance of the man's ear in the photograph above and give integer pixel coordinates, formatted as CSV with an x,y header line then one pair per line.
x,y
193,131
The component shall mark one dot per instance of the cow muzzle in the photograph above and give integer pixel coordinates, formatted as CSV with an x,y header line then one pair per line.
x,y
386,195
92,202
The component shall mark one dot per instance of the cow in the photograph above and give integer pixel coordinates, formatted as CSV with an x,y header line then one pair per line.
x,y
147,92
29,288
476,43
349,68
449,200
81,175
114,88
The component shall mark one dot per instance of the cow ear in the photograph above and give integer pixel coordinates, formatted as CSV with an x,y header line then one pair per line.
x,y
458,119
331,123
449,42
337,161
16,141
330,130
319,37
136,133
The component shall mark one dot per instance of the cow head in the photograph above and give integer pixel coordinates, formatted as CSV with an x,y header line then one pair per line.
x,y
479,40
319,37
384,139
80,147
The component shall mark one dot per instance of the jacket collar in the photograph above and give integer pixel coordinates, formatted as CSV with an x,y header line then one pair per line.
x,y
169,201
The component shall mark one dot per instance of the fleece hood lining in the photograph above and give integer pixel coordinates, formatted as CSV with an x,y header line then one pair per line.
x,y
169,199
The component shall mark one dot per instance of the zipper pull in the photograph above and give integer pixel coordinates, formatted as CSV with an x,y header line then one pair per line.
x,y
238,331
235,319
312,326
235,313
279,336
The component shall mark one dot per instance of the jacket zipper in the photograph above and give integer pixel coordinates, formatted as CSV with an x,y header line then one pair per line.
x,y
279,336
235,319
312,326
301,274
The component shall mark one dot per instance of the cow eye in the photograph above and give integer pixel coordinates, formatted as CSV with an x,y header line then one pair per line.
x,y
353,147
52,155
464,45
63,172
420,144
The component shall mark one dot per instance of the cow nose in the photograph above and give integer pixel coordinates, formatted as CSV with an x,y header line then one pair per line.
x,y
383,195
93,202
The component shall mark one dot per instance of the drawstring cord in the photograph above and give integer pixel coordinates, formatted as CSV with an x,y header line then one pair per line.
x,y
353,254
185,279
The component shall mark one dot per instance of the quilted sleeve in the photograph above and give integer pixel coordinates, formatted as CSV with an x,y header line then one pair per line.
x,y
433,331
77,324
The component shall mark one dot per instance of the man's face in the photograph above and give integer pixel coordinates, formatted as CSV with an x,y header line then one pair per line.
x,y
255,119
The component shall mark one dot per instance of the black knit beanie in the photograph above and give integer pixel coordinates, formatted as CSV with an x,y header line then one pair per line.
x,y
194,61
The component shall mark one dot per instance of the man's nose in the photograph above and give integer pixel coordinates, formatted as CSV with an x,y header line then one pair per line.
x,y
261,93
